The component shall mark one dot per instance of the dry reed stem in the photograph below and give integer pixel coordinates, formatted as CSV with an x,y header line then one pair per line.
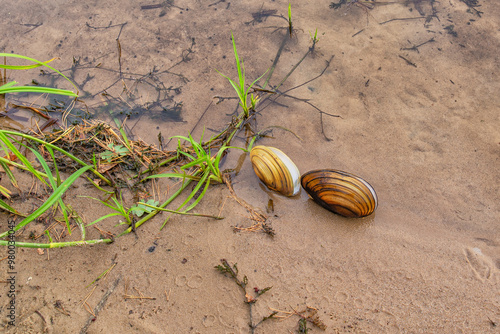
x,y
140,297
105,234
85,303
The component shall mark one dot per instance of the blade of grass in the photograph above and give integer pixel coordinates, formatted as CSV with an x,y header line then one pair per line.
x,y
191,195
180,212
5,192
58,176
176,175
57,244
203,179
13,55
56,195
104,217
9,173
195,203
35,89
10,209
25,67
7,145
53,185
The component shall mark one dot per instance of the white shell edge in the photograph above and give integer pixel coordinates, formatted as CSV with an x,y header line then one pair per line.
x,y
292,168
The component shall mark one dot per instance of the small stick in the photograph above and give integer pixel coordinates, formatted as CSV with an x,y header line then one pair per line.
x,y
41,316
88,295
408,62
403,19
168,295
141,296
100,305
415,47
35,110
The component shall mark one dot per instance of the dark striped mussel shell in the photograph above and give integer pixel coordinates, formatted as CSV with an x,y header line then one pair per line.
x,y
340,192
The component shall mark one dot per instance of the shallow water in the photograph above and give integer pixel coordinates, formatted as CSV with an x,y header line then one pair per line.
x,y
418,105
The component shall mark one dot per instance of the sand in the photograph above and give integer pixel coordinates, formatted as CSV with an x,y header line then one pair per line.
x,y
419,119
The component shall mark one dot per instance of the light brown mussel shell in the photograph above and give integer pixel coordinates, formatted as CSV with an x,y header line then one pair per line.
x,y
276,170
340,192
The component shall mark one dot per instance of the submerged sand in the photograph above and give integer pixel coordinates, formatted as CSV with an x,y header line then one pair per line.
x,y
419,118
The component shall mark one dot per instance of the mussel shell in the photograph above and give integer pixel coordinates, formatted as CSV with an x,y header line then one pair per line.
x,y
276,170
340,192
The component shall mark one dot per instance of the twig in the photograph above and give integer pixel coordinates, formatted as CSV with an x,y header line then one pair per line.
x,y
408,61
100,305
167,295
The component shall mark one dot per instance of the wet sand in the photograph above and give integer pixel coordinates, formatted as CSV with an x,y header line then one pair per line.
x,y
419,118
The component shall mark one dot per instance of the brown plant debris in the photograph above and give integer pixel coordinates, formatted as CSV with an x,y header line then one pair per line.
x,y
232,270
308,315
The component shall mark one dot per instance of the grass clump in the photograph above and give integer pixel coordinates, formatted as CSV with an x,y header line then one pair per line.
x,y
240,85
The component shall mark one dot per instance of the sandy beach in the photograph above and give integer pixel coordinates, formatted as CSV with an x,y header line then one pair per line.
x,y
405,95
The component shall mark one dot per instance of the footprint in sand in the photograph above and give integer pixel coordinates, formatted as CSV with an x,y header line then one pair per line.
x,y
481,264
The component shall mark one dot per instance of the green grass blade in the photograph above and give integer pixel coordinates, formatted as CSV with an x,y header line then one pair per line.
x,y
180,137
8,84
187,155
10,209
241,74
53,185
104,217
48,236
9,173
253,83
34,89
99,187
198,162
8,162
124,135
104,203
57,244
180,212
196,146
191,195
5,192
58,176
25,67
6,143
13,55
176,175
195,190
42,162
56,195
195,203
